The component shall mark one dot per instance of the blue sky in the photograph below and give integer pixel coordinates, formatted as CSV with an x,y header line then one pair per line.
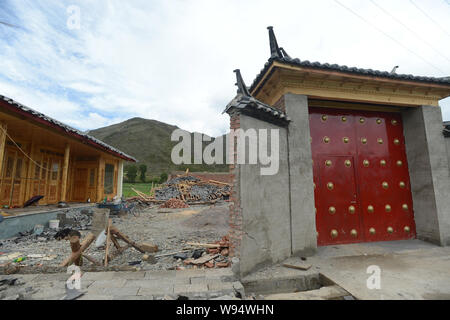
x,y
172,60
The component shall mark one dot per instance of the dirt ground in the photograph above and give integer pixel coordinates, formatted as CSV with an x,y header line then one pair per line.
x,y
169,229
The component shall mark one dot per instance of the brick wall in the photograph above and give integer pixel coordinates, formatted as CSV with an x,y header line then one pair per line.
x,y
235,220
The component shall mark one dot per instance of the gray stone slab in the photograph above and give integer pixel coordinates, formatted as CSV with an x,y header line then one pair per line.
x,y
99,275
155,291
149,283
189,289
126,291
133,275
161,274
120,297
220,286
117,283
95,297
52,277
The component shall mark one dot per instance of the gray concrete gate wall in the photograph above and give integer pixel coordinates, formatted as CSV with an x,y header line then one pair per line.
x,y
304,234
429,172
266,235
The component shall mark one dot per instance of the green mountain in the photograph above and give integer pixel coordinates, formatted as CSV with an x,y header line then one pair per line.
x,y
149,142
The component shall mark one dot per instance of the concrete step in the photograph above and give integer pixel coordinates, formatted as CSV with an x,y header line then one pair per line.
x,y
324,293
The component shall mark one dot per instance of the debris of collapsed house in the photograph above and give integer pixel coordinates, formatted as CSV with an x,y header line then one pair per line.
x,y
182,236
185,189
203,255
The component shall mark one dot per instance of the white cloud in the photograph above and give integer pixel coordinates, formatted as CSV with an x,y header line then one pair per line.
x,y
172,60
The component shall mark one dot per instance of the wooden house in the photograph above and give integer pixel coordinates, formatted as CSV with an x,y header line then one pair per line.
x,y
42,156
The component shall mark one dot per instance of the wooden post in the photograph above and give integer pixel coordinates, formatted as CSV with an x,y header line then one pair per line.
x,y
3,129
100,179
65,173
108,241
29,182
75,246
120,180
75,255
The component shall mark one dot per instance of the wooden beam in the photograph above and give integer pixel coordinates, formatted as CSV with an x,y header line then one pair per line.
x,y
123,237
65,173
3,128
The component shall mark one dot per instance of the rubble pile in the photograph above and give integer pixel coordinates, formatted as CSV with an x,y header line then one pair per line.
x,y
174,204
189,189
215,255
77,220
39,233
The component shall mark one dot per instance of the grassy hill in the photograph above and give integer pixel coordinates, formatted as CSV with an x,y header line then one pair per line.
x,y
149,142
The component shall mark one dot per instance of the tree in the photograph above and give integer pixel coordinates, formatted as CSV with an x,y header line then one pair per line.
x,y
131,173
163,177
142,171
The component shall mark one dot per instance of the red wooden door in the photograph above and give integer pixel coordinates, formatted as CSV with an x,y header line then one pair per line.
x,y
362,154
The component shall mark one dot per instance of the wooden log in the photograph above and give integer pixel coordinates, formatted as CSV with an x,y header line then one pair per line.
x,y
205,245
75,255
120,235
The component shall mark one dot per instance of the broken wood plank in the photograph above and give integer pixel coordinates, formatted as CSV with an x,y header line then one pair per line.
x,y
302,266
219,182
204,259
